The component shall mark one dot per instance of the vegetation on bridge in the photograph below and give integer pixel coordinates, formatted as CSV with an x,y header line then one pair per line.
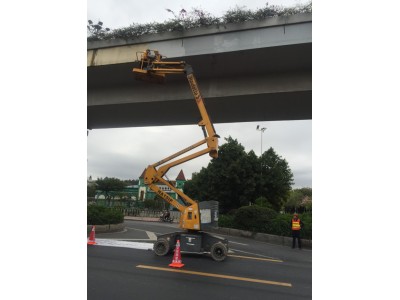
x,y
195,18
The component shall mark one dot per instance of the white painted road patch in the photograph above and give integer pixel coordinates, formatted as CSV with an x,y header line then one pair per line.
x,y
124,244
151,236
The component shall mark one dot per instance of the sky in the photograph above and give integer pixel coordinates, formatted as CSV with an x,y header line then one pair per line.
x,y
124,152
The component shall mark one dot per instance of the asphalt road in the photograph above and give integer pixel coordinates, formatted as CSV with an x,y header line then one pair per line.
x,y
253,269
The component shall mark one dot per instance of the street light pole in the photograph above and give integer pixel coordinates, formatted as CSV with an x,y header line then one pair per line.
x,y
261,132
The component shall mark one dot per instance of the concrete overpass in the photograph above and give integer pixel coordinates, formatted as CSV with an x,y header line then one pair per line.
x,y
253,71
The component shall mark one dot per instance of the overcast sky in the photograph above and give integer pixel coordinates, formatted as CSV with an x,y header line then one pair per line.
x,y
124,153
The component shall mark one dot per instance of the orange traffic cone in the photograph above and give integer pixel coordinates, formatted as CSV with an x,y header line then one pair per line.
x,y
176,261
92,239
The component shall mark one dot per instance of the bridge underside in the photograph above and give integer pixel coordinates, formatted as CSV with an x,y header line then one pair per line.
x,y
271,107
264,84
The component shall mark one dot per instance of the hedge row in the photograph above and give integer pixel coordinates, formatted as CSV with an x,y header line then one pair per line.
x,y
100,215
261,219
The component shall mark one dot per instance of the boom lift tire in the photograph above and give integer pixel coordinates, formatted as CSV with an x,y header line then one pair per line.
x,y
161,247
218,251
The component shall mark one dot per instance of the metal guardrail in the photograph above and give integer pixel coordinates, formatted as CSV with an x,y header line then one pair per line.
x,y
146,213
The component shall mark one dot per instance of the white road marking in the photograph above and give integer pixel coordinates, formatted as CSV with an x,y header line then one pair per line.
x,y
235,250
141,230
151,235
112,232
123,244
231,242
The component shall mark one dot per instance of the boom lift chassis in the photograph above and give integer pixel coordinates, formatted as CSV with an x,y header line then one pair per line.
x,y
192,239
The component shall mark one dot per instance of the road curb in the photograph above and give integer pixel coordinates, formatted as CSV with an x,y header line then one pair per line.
x,y
262,237
146,219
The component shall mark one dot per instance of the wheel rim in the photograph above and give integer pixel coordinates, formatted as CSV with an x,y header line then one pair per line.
x,y
219,252
161,248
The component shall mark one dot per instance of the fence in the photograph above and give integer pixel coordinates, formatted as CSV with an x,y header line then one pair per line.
x,y
145,212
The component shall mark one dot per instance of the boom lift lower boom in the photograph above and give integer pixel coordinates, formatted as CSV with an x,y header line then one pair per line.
x,y
193,240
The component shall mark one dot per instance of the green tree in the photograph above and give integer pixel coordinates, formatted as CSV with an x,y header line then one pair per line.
x,y
263,202
299,199
276,178
91,190
130,182
224,178
235,179
108,185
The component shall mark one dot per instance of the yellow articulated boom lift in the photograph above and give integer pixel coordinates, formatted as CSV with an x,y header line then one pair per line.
x,y
192,240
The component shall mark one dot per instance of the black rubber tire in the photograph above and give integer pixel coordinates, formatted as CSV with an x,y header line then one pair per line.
x,y
218,251
161,247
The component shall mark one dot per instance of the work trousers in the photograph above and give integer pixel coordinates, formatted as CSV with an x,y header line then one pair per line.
x,y
296,235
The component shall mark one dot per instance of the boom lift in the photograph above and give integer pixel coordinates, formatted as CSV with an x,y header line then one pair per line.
x,y
192,240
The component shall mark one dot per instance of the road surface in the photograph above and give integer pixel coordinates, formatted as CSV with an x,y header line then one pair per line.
x,y
253,269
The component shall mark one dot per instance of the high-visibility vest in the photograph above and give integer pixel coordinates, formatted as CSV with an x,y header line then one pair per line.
x,y
296,224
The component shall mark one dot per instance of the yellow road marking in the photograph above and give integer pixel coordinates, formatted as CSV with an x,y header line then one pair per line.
x,y
256,258
216,275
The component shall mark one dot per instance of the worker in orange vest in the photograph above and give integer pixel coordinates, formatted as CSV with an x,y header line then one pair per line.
x,y
296,226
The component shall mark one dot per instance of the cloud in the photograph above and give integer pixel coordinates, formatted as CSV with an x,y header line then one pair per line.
x,y
124,153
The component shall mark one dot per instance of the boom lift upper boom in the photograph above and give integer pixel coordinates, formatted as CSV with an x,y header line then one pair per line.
x,y
153,68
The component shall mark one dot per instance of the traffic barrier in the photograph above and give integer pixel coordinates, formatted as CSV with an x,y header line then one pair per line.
x,y
92,237
177,261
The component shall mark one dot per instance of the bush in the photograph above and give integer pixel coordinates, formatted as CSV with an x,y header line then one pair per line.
x,y
280,225
100,215
263,202
225,221
254,218
261,219
306,232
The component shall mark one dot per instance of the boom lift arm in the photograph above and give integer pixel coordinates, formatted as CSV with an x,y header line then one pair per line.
x,y
153,68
